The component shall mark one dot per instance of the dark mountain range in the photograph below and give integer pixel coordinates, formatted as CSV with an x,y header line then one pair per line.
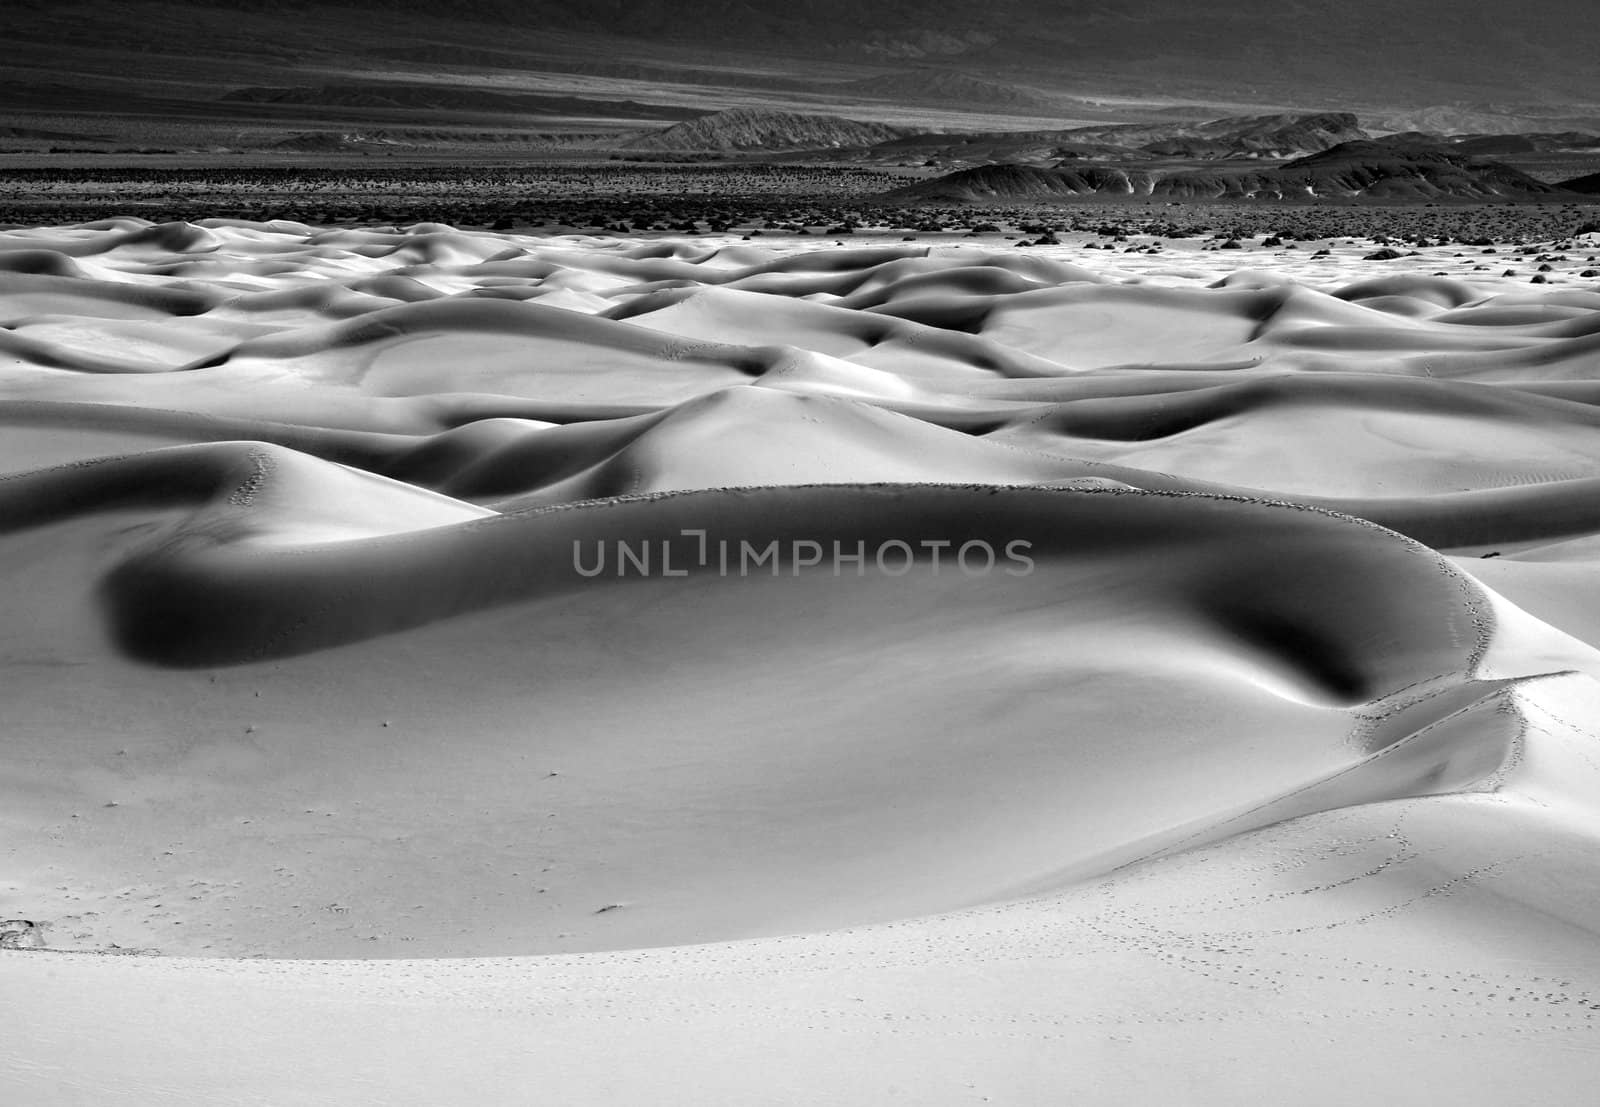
x,y
1278,135
1492,118
1535,143
1498,145
1255,136
1587,185
1395,149
1270,136
980,147
1354,171
753,129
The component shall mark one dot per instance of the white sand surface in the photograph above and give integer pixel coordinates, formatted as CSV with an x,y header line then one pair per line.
x,y
1229,732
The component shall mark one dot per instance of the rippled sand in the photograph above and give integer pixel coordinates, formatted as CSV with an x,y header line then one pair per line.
x,y
502,669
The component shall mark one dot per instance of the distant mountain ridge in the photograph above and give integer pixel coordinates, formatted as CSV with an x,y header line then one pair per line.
x,y
1588,185
1535,142
192,74
756,129
1275,136
1266,136
1360,170
1270,136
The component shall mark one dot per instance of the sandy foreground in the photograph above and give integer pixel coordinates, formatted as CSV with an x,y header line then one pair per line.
x,y
451,667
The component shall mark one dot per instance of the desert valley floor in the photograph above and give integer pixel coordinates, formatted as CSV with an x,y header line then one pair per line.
x,y
1207,715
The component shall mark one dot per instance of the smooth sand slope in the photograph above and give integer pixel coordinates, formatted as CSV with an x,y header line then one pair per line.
x,y
453,667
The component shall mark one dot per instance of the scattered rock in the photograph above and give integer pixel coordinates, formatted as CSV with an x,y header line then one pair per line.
x,y
20,934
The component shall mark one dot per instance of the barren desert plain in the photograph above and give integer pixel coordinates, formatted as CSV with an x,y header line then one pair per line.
x,y
447,665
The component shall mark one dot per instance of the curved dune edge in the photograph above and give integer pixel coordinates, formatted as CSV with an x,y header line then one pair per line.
x,y
1189,613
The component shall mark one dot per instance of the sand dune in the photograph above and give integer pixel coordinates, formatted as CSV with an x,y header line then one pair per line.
x,y
957,673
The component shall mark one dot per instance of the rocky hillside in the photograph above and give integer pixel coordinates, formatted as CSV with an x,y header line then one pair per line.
x,y
1251,136
755,129
1417,171
1267,136
1350,171
1273,136
994,147
1589,184
1537,142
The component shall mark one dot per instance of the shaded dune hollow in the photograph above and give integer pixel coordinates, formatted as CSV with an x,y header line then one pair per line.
x,y
355,603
